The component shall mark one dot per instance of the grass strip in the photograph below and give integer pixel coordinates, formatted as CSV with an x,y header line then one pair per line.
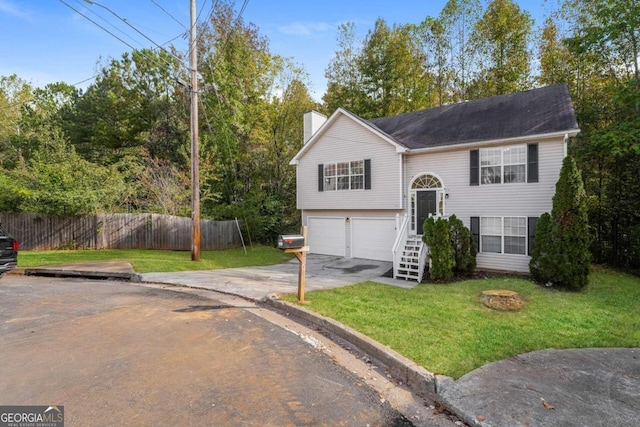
x,y
447,330
145,261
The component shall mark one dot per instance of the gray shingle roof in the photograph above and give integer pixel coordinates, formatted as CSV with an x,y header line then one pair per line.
x,y
533,112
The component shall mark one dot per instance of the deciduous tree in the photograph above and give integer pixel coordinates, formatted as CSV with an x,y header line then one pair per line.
x,y
503,35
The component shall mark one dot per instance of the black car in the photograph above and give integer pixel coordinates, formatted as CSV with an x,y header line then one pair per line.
x,y
8,252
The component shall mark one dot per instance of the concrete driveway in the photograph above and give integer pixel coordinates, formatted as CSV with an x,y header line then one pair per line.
x,y
258,283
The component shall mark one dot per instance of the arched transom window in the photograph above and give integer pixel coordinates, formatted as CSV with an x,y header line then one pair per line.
x,y
426,181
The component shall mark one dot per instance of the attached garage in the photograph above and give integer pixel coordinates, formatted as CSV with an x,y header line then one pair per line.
x,y
327,236
373,238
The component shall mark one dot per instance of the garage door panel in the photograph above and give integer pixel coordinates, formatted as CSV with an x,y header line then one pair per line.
x,y
373,238
326,236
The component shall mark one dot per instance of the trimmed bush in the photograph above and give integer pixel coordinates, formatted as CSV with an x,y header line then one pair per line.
x,y
541,264
464,248
438,239
452,250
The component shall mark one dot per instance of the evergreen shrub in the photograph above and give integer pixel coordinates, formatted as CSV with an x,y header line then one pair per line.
x,y
561,257
451,248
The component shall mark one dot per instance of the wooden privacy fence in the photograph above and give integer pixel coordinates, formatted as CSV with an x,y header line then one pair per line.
x,y
117,231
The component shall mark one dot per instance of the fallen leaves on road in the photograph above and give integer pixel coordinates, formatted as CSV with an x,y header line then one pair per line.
x,y
438,408
546,404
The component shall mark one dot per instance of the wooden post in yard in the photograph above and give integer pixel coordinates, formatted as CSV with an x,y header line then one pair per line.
x,y
301,254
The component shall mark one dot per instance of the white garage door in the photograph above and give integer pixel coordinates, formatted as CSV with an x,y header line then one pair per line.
x,y
373,238
326,236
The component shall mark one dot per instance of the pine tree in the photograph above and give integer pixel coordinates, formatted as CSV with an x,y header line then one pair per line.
x,y
570,229
561,254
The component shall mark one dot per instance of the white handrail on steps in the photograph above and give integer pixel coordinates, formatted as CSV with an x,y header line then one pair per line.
x,y
422,260
398,245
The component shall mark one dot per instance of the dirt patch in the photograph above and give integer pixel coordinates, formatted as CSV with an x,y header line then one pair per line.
x,y
500,299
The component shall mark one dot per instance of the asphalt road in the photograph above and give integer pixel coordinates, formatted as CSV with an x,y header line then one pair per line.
x,y
114,353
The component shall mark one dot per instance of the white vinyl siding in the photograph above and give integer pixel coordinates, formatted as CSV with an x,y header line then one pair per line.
x,y
347,140
466,201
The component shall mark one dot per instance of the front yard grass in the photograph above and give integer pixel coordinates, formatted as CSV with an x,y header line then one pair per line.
x,y
447,330
145,261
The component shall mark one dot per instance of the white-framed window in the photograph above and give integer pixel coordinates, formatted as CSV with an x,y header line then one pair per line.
x,y
503,164
506,235
344,176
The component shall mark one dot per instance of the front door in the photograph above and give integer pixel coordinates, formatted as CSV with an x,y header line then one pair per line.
x,y
426,204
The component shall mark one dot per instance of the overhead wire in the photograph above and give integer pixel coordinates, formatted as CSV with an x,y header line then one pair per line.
x,y
96,24
111,33
168,14
107,22
231,166
209,15
154,60
125,21
201,9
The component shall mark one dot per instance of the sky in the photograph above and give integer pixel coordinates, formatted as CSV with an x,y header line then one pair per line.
x,y
45,41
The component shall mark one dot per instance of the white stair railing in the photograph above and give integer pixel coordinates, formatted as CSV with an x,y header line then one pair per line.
x,y
422,260
398,245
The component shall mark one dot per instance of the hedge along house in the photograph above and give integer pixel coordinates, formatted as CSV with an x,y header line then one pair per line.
x,y
365,187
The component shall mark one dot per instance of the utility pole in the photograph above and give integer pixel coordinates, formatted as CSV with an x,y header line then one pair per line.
x,y
195,159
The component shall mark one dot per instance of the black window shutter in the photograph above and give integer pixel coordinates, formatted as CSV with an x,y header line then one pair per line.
x,y
532,163
531,232
320,177
367,174
474,168
475,230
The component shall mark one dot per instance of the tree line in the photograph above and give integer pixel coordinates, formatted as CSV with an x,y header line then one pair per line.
x,y
123,143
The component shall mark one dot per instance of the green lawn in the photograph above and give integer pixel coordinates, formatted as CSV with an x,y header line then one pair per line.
x,y
446,328
145,261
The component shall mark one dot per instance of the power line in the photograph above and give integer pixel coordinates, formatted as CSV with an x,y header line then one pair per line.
x,y
95,23
209,15
215,89
211,11
235,23
108,23
244,6
133,28
168,14
85,80
150,58
201,9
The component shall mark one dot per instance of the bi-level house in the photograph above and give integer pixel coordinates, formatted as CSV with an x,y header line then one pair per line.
x,y
365,187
